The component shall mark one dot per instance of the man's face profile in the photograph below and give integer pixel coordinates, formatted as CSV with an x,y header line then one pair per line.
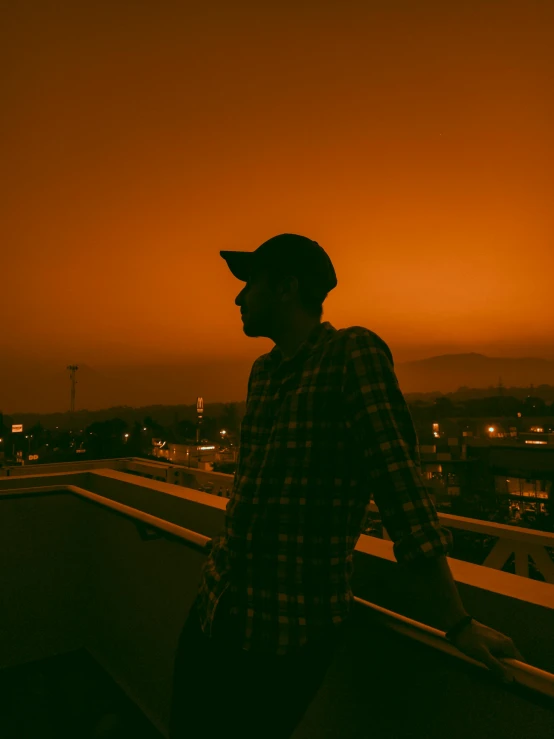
x,y
257,304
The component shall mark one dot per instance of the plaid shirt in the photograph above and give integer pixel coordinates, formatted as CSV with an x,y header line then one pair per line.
x,y
323,430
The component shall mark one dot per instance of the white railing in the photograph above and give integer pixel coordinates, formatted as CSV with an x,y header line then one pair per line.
x,y
521,542
524,674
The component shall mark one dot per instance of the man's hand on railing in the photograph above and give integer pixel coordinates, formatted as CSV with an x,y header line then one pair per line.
x,y
485,645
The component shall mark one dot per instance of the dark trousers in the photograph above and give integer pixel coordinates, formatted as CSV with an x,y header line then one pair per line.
x,y
221,690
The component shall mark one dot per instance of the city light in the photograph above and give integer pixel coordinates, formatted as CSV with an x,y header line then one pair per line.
x,y
491,429
529,441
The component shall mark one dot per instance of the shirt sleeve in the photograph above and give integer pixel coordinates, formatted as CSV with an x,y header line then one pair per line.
x,y
379,417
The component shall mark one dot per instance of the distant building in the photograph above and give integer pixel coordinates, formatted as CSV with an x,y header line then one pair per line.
x,y
514,473
502,469
201,456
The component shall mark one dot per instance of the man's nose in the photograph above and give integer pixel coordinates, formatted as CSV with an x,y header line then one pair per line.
x,y
238,299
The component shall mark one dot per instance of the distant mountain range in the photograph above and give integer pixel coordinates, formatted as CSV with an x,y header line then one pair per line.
x,y
450,372
41,388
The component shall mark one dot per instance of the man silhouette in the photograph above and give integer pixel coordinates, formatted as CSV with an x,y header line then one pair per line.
x,y
325,427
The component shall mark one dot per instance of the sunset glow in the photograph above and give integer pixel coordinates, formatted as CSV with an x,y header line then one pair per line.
x,y
413,141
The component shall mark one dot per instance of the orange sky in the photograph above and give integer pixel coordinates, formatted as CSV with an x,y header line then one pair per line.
x,y
414,141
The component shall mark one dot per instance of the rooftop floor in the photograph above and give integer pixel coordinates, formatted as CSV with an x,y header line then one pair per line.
x,y
67,696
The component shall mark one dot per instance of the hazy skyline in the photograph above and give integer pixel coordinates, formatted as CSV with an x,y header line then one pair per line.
x,y
413,141
32,387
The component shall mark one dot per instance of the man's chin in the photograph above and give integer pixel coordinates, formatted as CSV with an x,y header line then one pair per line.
x,y
250,330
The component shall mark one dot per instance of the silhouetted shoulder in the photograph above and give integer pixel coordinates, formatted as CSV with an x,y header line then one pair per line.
x,y
358,337
257,371
260,366
261,362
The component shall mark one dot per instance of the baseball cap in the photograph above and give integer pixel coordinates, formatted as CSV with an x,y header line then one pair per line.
x,y
288,254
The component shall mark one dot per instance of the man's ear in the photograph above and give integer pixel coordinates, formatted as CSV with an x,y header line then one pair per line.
x,y
288,288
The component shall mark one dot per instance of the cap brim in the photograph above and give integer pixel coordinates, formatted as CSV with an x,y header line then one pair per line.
x,y
239,262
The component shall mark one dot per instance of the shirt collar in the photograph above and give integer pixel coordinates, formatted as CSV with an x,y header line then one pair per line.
x,y
317,336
